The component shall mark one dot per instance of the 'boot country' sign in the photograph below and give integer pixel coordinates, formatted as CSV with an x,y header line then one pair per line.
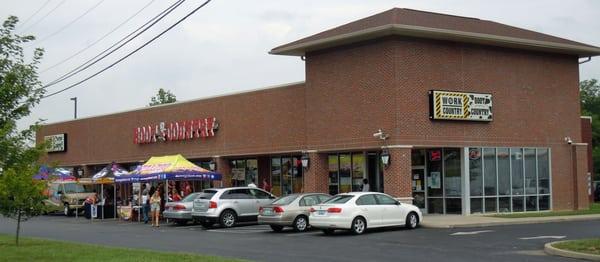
x,y
175,131
450,105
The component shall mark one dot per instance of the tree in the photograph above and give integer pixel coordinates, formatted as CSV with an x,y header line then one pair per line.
x,y
163,97
589,92
20,91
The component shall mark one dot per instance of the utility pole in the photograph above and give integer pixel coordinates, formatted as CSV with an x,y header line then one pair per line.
x,y
75,100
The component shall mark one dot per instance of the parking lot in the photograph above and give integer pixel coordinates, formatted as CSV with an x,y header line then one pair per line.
x,y
259,243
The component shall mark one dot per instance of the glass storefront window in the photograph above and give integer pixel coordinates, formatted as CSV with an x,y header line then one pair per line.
x,y
298,182
434,173
490,205
358,171
452,172
333,164
489,161
543,171
503,171
252,171
345,173
530,173
516,164
286,176
504,204
276,176
517,204
475,173
476,205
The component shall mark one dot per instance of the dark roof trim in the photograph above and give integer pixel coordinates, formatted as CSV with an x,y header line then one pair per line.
x,y
435,33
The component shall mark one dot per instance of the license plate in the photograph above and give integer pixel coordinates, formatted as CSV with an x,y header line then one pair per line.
x,y
267,211
321,212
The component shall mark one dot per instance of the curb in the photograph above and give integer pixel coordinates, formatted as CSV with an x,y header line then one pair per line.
x,y
510,222
549,249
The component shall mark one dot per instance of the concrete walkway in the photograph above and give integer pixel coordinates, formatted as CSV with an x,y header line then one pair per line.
x,y
454,221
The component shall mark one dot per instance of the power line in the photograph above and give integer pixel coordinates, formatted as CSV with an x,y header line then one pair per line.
x,y
35,13
131,53
108,51
68,24
100,39
44,17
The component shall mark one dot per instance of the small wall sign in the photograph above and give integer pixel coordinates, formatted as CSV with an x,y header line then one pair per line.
x,y
56,143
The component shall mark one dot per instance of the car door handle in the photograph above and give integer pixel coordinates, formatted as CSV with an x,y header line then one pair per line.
x,y
235,202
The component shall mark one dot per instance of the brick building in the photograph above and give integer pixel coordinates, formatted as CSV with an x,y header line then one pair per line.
x,y
412,85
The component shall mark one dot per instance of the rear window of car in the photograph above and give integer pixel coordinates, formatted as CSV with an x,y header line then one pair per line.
x,y
206,194
339,199
191,197
286,200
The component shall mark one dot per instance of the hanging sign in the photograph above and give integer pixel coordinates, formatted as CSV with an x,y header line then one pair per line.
x,y
175,131
56,143
448,105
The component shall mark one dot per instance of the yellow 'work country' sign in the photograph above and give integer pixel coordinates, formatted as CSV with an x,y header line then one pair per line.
x,y
450,105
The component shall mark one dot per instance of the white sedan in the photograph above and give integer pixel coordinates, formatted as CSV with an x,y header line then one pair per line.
x,y
358,210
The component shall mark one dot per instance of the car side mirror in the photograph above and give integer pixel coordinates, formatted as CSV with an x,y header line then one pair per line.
x,y
272,197
398,203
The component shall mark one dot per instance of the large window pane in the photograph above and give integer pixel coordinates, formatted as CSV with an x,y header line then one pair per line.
x,y
453,206
517,204
418,157
530,176
276,176
452,172
297,175
531,203
490,205
435,205
476,205
358,171
504,204
503,172
475,172
544,203
543,171
489,163
345,173
434,173
252,171
286,176
333,174
516,162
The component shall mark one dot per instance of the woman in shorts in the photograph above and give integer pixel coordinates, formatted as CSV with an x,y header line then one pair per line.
x,y
155,207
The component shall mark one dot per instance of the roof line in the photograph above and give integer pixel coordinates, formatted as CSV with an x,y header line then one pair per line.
x,y
435,33
182,102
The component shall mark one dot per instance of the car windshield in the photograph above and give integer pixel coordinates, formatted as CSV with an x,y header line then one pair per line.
x,y
74,188
339,199
206,194
286,200
191,197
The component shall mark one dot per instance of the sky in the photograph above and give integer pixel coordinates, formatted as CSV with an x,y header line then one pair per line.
x,y
223,48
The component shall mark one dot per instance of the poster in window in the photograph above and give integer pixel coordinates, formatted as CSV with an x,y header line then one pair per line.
x,y
435,180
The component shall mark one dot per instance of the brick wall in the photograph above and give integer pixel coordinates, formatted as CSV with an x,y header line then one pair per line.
x,y
316,175
397,175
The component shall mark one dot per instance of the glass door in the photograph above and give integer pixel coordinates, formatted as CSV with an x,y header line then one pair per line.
x,y
418,179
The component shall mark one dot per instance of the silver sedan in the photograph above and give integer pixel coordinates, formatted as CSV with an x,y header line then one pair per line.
x,y
181,211
292,210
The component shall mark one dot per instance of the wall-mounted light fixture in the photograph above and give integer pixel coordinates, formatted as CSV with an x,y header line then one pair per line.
x,y
568,140
305,160
212,165
385,158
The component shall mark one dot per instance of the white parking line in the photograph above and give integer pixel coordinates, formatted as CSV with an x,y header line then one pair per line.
x,y
471,233
542,237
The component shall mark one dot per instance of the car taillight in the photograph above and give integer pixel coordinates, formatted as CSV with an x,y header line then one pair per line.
x,y
179,207
260,209
334,210
278,209
212,204
312,210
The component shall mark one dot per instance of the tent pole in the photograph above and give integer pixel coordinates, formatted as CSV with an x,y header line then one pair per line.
x,y
166,194
115,200
102,189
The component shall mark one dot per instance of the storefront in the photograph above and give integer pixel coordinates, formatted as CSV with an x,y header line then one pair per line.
x,y
402,98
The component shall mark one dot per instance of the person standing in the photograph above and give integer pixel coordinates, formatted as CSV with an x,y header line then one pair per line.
x,y
155,207
145,202
252,183
266,185
365,186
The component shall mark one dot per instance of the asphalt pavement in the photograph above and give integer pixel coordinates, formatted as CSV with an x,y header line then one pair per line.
x,y
258,243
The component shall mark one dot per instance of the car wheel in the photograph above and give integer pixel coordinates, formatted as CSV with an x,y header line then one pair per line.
x,y
300,223
67,210
227,218
328,231
206,225
412,220
359,225
181,222
277,228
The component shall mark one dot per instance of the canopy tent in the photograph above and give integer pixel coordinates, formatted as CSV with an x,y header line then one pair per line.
x,y
108,174
48,173
173,167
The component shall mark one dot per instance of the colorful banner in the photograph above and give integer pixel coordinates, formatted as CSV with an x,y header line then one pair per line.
x,y
449,105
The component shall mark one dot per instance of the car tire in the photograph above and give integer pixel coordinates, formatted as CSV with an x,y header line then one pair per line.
x,y
277,228
67,210
359,226
300,223
412,220
227,219
328,231
206,225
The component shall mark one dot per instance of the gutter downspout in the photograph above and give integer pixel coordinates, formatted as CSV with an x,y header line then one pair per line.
x,y
589,58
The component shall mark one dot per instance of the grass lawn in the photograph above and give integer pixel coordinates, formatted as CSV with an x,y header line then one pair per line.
x,y
594,209
35,249
589,246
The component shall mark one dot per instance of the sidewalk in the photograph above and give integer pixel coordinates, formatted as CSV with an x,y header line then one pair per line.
x,y
454,221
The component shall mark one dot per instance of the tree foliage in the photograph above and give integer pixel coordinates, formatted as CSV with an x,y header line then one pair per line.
x,y
589,92
163,97
20,90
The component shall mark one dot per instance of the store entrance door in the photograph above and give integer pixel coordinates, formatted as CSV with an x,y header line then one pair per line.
x,y
374,172
418,188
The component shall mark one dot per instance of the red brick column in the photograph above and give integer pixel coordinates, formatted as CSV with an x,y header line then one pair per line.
x,y
580,174
222,166
396,176
315,176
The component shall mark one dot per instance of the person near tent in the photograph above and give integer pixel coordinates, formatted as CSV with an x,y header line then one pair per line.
x,y
155,207
187,188
145,202
174,196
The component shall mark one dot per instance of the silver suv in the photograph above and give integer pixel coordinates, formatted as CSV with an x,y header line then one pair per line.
x,y
228,206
